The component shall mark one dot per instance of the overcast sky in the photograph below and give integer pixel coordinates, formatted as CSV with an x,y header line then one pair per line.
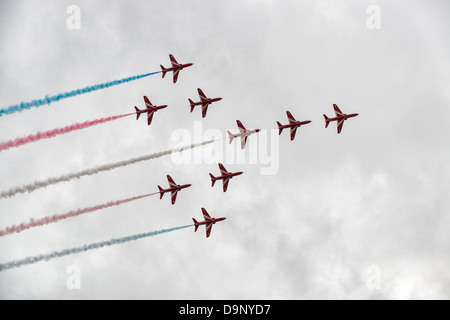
x,y
359,215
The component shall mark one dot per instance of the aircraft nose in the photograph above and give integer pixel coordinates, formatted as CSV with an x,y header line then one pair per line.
x,y
258,130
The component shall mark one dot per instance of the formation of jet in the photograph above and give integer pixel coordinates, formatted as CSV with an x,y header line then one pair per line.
x,y
340,118
243,134
293,125
150,109
176,67
204,102
225,176
208,222
174,188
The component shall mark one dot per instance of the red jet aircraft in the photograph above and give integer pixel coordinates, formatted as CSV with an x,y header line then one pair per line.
x,y
151,109
226,176
176,67
208,222
340,118
174,188
204,102
243,133
293,124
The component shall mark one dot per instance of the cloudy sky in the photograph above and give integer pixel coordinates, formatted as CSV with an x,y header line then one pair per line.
x,y
359,215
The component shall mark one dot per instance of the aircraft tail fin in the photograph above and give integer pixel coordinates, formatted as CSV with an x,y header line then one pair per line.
x,y
164,70
138,114
280,127
192,104
196,224
160,192
327,121
213,179
231,136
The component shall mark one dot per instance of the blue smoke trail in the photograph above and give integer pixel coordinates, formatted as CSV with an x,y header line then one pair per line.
x,y
48,99
57,254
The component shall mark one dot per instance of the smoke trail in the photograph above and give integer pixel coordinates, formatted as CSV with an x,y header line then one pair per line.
x,y
57,217
48,99
62,253
52,133
67,177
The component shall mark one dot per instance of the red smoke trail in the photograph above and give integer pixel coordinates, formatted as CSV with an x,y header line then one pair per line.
x,y
57,217
52,133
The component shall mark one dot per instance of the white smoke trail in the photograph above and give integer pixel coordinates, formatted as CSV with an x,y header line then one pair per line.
x,y
67,177
86,247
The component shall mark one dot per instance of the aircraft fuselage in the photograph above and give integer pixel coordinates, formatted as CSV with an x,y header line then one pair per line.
x,y
230,175
246,133
206,101
294,124
343,117
179,67
213,221
155,108
179,187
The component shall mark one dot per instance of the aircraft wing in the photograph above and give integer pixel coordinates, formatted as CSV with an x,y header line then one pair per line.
x,y
150,116
243,141
337,110
293,131
148,104
240,126
225,184
174,195
340,125
223,171
173,61
201,94
175,75
171,182
208,229
290,117
204,109
206,216
209,222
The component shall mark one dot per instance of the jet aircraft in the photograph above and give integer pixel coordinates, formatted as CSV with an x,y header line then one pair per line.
x,y
150,109
225,176
176,67
243,133
204,102
293,125
174,188
208,222
340,118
